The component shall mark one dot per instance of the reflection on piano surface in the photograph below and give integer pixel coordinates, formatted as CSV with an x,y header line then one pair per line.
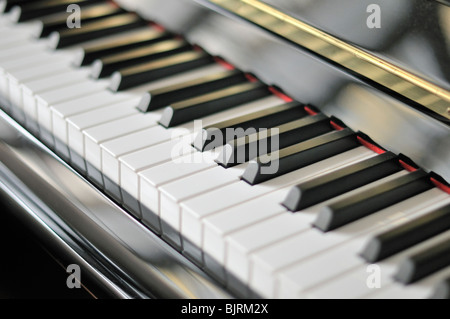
x,y
102,151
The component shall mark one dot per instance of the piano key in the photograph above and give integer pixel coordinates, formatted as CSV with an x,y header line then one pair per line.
x,y
18,77
341,181
368,202
89,13
32,10
152,178
30,89
61,111
340,258
17,64
158,69
243,149
196,209
165,96
112,150
186,132
204,105
442,289
258,266
76,126
299,155
95,29
173,193
408,234
45,100
272,117
269,261
424,263
121,42
109,64
131,164
355,281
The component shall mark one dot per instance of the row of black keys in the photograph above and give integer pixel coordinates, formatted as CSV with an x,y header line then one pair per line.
x,y
151,54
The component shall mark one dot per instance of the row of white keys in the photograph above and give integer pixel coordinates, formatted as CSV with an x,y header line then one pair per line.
x,y
195,210
267,261
151,179
31,89
295,280
359,281
173,193
85,135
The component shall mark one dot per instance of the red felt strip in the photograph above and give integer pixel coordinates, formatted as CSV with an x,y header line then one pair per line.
x,y
280,94
440,185
224,63
371,146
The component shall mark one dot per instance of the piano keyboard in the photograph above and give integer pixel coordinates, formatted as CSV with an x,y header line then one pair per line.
x,y
120,100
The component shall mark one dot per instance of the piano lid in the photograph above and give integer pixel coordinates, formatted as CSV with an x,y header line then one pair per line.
x,y
404,45
413,34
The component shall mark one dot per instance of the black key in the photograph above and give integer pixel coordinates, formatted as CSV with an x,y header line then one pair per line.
x,y
442,290
243,149
126,41
89,13
341,181
7,5
203,105
299,155
424,263
404,236
36,9
95,29
372,200
165,96
112,63
147,72
247,124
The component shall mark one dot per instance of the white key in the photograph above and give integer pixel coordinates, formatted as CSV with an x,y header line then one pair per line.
x,y
95,136
112,150
266,262
354,284
196,209
174,193
79,122
189,131
18,63
10,32
152,178
294,280
75,93
53,66
76,125
29,90
131,164
61,111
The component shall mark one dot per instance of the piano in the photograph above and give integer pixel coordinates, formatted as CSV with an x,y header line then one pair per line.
x,y
233,148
